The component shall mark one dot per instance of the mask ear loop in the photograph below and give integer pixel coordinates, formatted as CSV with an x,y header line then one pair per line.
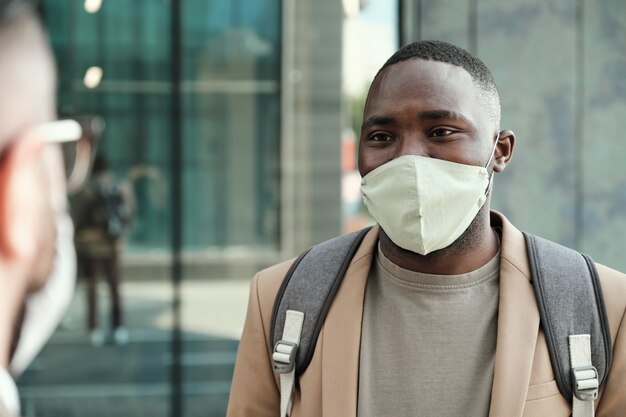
x,y
493,152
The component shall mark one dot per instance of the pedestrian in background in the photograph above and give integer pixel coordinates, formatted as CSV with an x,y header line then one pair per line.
x,y
102,214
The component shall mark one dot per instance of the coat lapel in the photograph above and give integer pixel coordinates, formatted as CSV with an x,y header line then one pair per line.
x,y
518,325
341,335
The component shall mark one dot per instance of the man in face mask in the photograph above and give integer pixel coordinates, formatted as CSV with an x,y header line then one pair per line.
x,y
436,314
37,262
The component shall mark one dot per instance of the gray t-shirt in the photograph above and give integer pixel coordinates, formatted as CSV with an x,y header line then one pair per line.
x,y
428,342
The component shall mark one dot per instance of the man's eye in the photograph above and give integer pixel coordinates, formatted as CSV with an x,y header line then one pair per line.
x,y
441,132
381,137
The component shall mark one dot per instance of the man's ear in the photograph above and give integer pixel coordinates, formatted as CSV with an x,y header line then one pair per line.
x,y
504,150
20,198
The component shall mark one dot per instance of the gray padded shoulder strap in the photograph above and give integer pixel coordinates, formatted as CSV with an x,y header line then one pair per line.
x,y
570,302
310,286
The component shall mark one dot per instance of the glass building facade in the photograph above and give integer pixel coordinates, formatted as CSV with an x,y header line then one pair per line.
x,y
230,121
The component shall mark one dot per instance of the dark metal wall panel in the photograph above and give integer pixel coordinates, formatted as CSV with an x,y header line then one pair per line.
x,y
311,141
448,20
603,155
530,46
325,105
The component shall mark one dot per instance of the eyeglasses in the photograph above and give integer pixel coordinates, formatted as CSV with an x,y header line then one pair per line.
x,y
78,139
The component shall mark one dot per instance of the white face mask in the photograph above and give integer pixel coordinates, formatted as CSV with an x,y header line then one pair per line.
x,y
425,204
44,309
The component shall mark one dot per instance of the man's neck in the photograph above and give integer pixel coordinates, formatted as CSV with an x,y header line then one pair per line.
x,y
474,249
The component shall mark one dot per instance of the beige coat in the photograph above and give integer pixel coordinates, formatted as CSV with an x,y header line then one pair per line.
x,y
523,384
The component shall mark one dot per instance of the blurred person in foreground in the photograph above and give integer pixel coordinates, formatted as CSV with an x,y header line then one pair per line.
x,y
37,260
102,212
436,314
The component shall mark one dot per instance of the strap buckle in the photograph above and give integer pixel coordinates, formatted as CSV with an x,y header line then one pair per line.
x,y
585,383
284,356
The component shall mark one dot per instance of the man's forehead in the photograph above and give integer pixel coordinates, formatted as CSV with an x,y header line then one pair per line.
x,y
423,84
424,77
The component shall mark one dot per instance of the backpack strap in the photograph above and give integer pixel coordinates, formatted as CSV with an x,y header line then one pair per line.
x,y
308,289
573,318
284,352
585,375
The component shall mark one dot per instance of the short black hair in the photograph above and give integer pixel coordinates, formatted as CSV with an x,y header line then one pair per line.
x,y
448,53
433,50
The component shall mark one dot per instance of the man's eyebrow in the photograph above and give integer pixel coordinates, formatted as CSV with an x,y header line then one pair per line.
x,y
378,120
442,114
